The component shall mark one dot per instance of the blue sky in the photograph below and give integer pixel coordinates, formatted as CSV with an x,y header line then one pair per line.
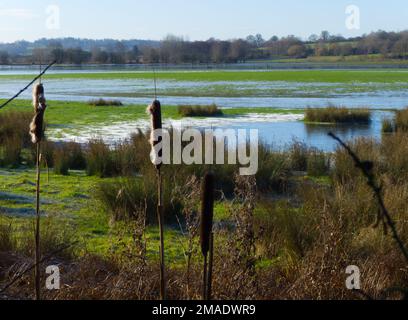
x,y
194,19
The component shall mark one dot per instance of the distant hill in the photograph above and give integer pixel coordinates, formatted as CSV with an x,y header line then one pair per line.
x,y
26,47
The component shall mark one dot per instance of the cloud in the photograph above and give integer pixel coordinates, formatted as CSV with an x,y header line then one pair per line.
x,y
17,13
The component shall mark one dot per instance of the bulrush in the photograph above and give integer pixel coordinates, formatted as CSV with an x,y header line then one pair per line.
x,y
37,124
155,111
156,124
37,132
206,231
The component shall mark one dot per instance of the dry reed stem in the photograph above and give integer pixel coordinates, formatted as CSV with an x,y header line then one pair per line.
x,y
207,217
37,229
156,124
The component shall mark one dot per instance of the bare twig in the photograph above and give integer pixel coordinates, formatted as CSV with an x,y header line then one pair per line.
x,y
366,168
26,87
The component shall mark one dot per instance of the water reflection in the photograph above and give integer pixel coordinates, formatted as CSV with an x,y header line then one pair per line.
x,y
281,134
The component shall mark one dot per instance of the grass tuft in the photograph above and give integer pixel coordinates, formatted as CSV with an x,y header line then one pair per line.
x,y
333,114
200,111
105,103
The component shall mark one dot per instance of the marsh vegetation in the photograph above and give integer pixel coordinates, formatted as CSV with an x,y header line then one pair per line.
x,y
289,232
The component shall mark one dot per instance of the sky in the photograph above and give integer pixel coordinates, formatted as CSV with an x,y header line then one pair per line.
x,y
194,19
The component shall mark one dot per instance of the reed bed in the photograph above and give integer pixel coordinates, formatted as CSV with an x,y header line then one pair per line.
x,y
338,115
105,103
200,111
388,126
401,121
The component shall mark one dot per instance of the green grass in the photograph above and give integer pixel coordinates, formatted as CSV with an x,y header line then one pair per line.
x,y
345,60
69,200
340,76
309,83
76,118
62,113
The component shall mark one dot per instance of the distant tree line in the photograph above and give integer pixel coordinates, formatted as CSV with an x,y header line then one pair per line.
x,y
174,50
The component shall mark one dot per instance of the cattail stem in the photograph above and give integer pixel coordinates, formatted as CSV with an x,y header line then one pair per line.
x,y
37,229
210,268
205,277
160,217
155,111
207,214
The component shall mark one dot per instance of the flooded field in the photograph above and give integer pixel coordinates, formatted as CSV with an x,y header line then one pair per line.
x,y
381,94
277,130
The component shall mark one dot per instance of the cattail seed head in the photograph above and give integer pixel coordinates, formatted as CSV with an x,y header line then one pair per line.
x,y
37,124
207,212
156,124
155,111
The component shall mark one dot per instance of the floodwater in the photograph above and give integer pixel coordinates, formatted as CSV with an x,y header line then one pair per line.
x,y
275,94
278,130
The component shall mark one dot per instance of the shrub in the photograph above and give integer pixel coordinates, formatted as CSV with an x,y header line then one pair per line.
x,y
55,234
99,160
77,159
344,168
333,114
61,161
128,198
16,123
298,154
68,156
200,111
286,231
394,149
317,164
47,152
11,150
14,136
7,237
129,159
273,172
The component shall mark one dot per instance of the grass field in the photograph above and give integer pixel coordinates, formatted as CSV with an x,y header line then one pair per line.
x,y
337,76
352,60
63,113
68,200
